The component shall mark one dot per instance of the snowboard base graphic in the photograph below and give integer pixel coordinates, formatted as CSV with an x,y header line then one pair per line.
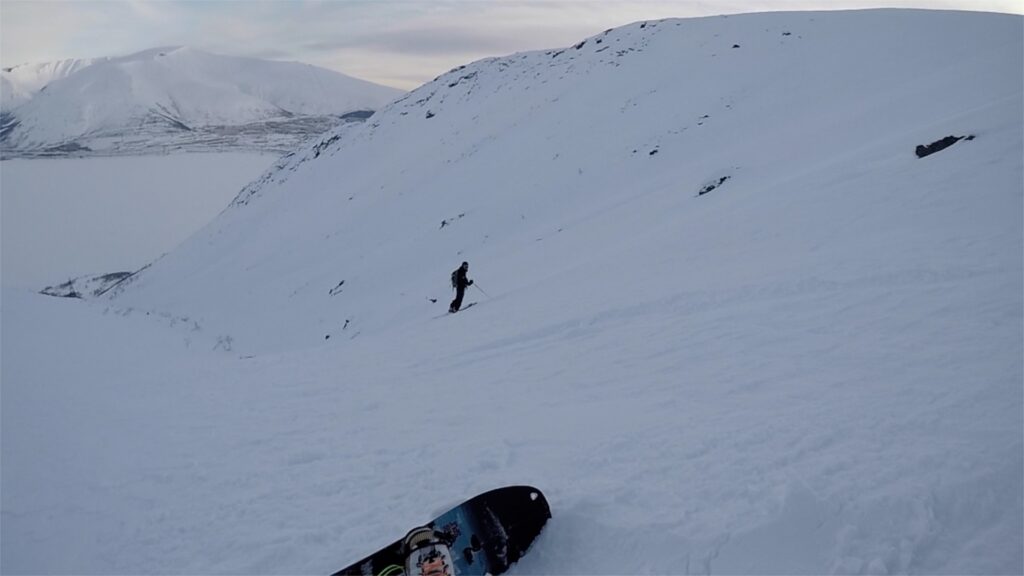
x,y
484,535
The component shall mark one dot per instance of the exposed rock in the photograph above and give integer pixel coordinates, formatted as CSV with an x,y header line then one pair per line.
x,y
86,286
712,185
939,145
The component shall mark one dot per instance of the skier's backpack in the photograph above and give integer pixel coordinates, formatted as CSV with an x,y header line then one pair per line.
x,y
455,278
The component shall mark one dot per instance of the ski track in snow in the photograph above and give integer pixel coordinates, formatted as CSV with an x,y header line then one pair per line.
x,y
815,368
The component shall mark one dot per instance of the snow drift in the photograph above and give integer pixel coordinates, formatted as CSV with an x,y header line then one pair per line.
x,y
734,324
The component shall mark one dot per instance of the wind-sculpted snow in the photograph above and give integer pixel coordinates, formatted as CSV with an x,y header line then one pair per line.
x,y
726,318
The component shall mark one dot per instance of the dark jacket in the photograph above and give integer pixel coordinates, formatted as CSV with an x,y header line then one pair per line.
x,y
460,279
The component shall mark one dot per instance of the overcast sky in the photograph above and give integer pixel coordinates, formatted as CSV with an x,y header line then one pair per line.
x,y
398,43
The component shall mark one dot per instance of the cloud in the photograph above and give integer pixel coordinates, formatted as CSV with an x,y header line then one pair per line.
x,y
33,31
411,43
441,40
401,43
155,13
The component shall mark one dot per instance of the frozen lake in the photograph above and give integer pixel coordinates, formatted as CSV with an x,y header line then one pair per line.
x,y
64,218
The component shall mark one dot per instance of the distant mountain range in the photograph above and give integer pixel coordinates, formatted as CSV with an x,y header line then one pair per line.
x,y
177,98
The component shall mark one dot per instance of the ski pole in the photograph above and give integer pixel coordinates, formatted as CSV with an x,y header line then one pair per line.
x,y
482,290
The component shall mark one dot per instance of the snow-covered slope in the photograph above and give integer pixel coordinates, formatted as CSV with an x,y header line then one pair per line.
x,y
19,83
571,163
183,97
732,323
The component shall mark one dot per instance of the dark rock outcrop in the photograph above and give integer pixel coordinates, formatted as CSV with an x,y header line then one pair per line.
x,y
939,145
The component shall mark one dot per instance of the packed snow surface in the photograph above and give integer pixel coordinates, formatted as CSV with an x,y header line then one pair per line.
x,y
727,321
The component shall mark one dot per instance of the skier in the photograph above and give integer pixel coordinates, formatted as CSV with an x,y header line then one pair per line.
x,y
459,282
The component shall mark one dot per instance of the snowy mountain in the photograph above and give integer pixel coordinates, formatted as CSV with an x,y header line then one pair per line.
x,y
19,83
177,98
728,319
576,156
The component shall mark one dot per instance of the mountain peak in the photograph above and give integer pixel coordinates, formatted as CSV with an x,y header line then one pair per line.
x,y
152,53
178,94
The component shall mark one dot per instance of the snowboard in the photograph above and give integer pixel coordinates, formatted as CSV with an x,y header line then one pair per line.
x,y
484,535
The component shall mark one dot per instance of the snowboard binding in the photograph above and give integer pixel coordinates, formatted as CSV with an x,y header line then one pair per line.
x,y
427,554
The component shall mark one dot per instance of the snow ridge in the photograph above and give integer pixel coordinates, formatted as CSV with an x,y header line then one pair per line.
x,y
19,83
